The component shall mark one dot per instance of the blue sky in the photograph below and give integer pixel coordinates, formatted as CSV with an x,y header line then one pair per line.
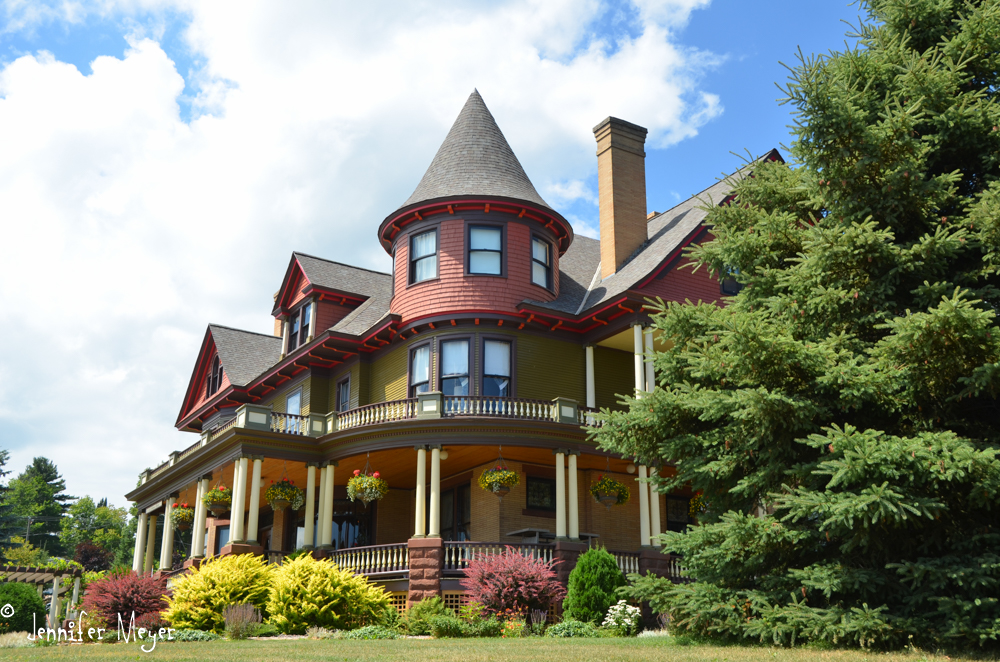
x,y
160,160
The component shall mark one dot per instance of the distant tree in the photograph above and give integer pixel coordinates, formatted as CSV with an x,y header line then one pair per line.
x,y
92,557
7,521
87,522
37,498
21,552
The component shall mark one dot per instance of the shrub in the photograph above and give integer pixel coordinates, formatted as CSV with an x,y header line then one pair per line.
x,y
200,596
241,620
371,632
321,633
512,582
124,594
592,586
28,608
486,627
308,592
623,619
417,618
152,621
449,627
571,628
194,635
15,639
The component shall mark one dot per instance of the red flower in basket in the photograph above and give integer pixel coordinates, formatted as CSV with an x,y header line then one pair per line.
x,y
222,488
376,474
357,472
184,505
174,506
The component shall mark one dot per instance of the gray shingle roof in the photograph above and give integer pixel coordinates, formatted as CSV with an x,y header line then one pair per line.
x,y
344,277
667,232
475,159
244,354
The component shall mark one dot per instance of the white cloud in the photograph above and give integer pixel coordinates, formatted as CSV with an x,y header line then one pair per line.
x,y
126,229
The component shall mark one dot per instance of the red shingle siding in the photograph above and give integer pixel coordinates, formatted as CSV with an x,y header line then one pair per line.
x,y
328,314
454,291
297,286
200,390
681,282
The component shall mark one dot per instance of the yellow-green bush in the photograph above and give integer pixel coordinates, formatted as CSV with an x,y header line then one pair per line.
x,y
310,593
200,596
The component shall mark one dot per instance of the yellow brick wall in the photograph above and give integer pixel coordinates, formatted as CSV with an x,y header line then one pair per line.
x,y
395,517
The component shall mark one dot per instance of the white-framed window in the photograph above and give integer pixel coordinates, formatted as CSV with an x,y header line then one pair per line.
x,y
455,367
541,263
423,256
344,394
420,370
293,405
496,368
485,250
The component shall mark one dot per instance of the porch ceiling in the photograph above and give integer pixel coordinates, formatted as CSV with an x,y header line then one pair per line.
x,y
625,341
398,466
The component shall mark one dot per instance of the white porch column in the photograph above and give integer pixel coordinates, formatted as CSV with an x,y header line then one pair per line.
x,y
640,372
650,370
654,511
560,495
284,336
312,319
150,545
591,383
310,533
140,539
54,604
167,543
434,530
237,507
328,505
643,507
574,503
321,517
254,516
420,516
76,593
200,521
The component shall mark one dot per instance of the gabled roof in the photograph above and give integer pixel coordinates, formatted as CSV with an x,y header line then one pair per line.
x,y
475,159
244,354
668,233
335,277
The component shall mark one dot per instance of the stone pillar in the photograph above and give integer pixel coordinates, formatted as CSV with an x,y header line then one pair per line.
x,y
328,506
150,545
591,382
310,533
640,372
254,516
200,523
567,552
167,542
54,604
650,369
560,495
643,507
654,510
278,530
573,526
426,564
238,507
434,530
420,517
140,539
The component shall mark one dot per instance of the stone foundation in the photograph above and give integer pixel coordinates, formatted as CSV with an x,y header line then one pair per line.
x,y
426,563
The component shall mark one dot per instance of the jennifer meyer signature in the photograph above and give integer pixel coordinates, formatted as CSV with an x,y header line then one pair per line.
x,y
75,631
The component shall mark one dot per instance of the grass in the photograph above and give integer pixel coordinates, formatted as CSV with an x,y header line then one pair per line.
x,y
464,650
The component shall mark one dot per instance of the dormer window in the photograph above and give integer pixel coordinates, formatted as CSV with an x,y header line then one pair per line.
x,y
214,379
299,327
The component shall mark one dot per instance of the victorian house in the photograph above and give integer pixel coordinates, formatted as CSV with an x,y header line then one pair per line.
x,y
493,341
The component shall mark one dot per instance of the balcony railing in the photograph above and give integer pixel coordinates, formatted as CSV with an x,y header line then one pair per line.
x,y
381,412
375,559
484,405
289,423
628,562
457,555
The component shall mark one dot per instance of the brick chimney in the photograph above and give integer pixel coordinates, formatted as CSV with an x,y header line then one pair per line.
x,y
621,185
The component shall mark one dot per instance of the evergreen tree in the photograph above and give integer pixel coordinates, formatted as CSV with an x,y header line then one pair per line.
x,y
38,503
7,528
840,415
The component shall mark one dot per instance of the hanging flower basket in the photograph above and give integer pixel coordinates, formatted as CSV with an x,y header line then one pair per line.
x,y
609,491
181,516
218,500
499,480
697,505
283,494
366,487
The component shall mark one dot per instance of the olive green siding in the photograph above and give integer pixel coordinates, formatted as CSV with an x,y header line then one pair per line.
x,y
388,375
361,385
614,373
319,396
548,368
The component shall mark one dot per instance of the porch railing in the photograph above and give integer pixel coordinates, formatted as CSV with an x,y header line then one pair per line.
x,y
374,559
381,412
628,562
220,429
289,423
484,405
457,555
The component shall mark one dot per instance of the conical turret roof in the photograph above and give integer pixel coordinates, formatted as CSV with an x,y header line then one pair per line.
x,y
475,160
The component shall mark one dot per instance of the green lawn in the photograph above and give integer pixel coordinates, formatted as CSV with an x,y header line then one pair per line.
x,y
463,650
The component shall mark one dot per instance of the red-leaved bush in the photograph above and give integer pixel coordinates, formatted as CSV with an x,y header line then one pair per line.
x,y
509,582
124,594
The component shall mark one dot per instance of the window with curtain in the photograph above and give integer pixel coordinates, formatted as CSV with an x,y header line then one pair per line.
x,y
485,250
455,367
423,256
541,270
420,370
496,368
